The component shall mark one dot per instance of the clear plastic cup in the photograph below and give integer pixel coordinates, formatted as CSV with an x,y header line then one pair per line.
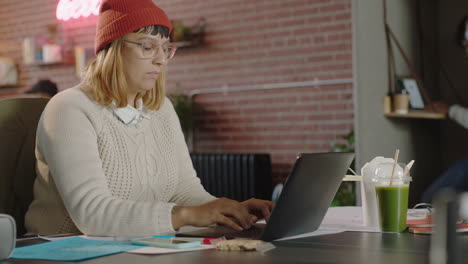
x,y
392,196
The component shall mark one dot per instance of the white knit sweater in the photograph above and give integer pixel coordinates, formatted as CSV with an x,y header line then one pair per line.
x,y
101,177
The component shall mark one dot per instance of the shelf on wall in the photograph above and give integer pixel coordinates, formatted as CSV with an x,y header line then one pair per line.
x,y
418,114
47,63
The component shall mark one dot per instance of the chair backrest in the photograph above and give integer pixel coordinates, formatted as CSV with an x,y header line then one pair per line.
x,y
18,123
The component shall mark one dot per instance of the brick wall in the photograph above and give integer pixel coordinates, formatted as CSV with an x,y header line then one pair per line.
x,y
249,43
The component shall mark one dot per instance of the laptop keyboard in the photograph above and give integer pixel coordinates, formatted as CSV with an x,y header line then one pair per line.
x,y
254,232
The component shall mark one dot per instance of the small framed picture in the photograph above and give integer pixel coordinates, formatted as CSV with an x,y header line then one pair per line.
x,y
415,99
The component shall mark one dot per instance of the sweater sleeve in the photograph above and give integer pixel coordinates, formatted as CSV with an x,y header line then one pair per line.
x,y
459,114
67,138
189,190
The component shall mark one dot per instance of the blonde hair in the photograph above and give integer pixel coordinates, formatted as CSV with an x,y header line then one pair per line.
x,y
104,80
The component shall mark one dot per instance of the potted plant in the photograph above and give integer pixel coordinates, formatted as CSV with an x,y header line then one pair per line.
x,y
186,111
180,32
346,195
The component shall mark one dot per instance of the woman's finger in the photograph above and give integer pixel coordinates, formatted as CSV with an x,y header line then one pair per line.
x,y
265,211
226,221
240,214
270,204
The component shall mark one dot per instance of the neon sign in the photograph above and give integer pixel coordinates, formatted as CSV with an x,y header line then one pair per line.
x,y
67,9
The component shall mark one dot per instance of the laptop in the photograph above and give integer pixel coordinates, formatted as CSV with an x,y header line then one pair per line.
x,y
303,203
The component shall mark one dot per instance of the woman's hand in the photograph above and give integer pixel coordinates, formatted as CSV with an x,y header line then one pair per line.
x,y
221,211
260,208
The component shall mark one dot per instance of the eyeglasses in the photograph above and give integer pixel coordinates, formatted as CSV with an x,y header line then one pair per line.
x,y
151,50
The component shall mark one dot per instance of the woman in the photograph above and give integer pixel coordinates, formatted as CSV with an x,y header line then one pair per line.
x,y
456,176
111,156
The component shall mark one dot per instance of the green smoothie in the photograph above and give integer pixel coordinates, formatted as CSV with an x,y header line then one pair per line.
x,y
393,205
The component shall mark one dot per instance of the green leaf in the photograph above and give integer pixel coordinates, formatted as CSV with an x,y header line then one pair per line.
x,y
185,110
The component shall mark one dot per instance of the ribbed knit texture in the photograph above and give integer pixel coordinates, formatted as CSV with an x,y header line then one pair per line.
x,y
119,17
101,177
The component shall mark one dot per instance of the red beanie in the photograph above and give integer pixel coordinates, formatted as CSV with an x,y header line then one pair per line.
x,y
119,17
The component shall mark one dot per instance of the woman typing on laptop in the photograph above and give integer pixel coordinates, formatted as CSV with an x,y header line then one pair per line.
x,y
111,156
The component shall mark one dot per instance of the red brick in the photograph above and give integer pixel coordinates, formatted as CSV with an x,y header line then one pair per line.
x,y
334,7
320,19
306,11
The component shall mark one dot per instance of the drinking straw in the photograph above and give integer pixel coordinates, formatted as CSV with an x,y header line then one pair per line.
x,y
397,152
408,168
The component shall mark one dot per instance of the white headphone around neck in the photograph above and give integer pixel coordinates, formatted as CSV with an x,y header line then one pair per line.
x,y
7,236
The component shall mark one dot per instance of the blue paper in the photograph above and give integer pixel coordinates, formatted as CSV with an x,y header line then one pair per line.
x,y
168,237
72,249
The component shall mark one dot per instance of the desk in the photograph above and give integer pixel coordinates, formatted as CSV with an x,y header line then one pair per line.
x,y
347,247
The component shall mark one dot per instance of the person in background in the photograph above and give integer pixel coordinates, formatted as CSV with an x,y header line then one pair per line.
x,y
43,88
111,155
456,176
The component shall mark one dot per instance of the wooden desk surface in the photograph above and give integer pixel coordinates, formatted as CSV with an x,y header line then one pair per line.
x,y
347,247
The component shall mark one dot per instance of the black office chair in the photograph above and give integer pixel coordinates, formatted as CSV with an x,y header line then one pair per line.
x,y
18,123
